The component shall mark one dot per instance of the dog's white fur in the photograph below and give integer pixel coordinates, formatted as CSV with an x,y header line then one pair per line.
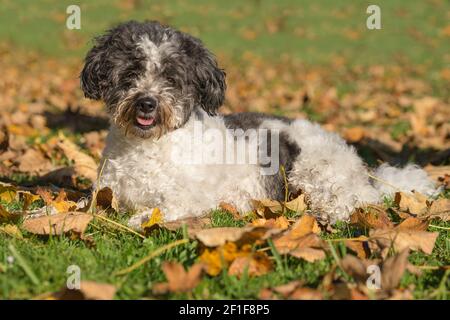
x,y
143,175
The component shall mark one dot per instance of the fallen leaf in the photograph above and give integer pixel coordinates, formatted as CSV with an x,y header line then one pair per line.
x,y
8,192
415,203
401,239
256,264
217,259
298,204
58,224
306,294
281,223
286,289
412,223
155,219
354,134
267,208
84,164
360,247
371,217
439,209
392,270
33,161
214,237
178,280
60,203
301,235
230,209
6,216
105,199
11,230
193,225
309,254
89,290
356,268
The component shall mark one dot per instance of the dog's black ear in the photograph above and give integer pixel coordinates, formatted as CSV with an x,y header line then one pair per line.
x,y
95,70
208,78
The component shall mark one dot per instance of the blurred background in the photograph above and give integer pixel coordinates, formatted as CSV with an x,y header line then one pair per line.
x,y
386,91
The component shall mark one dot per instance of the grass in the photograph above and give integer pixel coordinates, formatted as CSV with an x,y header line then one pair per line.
x,y
48,258
315,31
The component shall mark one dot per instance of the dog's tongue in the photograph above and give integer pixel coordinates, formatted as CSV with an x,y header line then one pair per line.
x,y
145,122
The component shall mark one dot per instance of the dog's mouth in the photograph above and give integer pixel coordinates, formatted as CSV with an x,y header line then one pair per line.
x,y
144,121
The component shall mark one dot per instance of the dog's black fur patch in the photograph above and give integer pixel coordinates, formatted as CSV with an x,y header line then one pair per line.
x,y
288,149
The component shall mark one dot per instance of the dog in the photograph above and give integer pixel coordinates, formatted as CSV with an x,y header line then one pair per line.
x,y
162,89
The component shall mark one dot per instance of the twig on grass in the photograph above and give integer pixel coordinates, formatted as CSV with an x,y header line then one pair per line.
x,y
118,225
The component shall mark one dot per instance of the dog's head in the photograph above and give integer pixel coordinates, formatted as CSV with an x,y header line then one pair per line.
x,y
151,77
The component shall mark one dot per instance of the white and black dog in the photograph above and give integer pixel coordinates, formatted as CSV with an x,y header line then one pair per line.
x,y
168,148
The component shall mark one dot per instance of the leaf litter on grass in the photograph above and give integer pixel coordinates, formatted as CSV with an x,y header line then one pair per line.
x,y
31,147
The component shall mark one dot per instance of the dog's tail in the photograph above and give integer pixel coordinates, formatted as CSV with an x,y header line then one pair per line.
x,y
388,180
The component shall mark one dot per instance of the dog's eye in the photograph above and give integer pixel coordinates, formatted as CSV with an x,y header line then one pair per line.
x,y
171,81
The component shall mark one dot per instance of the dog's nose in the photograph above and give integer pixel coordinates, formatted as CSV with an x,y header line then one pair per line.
x,y
147,104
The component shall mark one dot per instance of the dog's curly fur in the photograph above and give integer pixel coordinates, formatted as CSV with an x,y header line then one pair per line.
x,y
147,64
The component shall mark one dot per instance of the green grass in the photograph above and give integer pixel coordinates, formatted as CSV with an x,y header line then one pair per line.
x,y
49,258
314,31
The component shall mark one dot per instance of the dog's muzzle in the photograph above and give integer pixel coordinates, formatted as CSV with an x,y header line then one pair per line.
x,y
145,114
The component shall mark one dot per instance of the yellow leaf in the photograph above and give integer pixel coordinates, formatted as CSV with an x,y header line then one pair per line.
x,y
7,192
12,231
298,204
155,219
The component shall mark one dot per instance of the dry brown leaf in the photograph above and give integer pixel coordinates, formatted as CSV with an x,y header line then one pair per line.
x,y
306,294
281,223
298,204
354,134
401,239
84,164
214,237
89,290
230,209
301,240
308,254
359,247
178,280
193,225
440,209
393,269
267,208
105,200
415,203
412,223
215,260
371,217
33,161
439,174
355,267
58,224
286,289
256,264
60,204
